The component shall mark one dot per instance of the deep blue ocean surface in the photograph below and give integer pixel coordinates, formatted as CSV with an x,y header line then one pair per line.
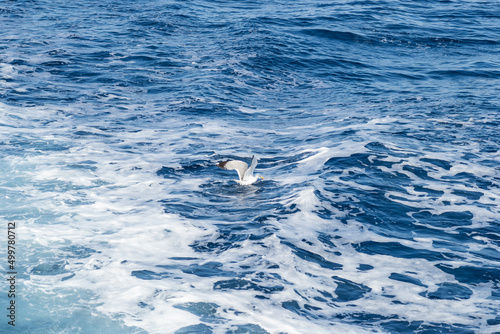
x,y
376,125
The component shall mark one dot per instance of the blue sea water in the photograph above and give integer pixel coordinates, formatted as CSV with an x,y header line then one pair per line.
x,y
376,125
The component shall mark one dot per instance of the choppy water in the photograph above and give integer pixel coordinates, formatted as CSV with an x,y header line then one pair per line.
x,y
377,128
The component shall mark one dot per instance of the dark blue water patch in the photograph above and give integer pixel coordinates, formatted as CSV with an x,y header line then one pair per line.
x,y
471,180
328,64
14,13
346,290
288,210
152,26
374,177
202,109
78,251
206,311
222,208
145,306
374,206
187,211
230,236
384,216
489,148
260,236
84,165
82,133
396,249
471,274
322,211
247,329
195,329
47,269
68,277
458,243
419,172
149,275
439,74
208,269
452,246
54,63
458,240
339,164
338,36
471,195
306,311
489,231
327,241
431,192
244,284
450,291
221,244
312,257
266,276
365,267
488,253
495,293
445,219
399,326
365,318
406,279
438,162
382,151
493,322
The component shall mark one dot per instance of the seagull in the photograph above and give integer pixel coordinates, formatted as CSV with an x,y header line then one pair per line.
x,y
245,174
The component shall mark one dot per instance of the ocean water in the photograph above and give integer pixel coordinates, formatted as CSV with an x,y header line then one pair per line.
x,y
376,125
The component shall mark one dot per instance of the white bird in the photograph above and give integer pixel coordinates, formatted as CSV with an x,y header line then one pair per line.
x,y
244,173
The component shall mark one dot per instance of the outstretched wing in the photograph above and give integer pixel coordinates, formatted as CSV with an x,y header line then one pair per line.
x,y
249,172
240,166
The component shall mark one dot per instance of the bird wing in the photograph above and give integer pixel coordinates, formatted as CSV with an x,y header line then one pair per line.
x,y
240,166
249,171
